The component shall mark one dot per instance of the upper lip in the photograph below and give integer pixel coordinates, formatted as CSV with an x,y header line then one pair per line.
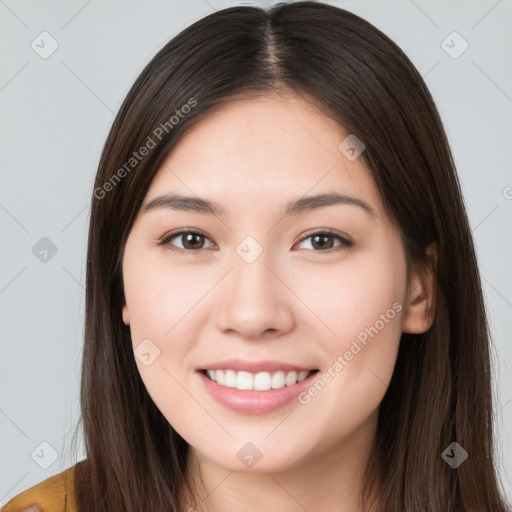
x,y
253,366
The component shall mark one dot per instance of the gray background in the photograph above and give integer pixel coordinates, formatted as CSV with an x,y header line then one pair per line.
x,y
55,115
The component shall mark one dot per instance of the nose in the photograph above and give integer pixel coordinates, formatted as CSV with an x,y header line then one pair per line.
x,y
254,301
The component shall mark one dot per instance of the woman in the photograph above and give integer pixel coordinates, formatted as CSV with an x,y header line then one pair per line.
x,y
284,308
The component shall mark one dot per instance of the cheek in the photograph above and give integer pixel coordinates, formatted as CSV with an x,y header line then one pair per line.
x,y
347,299
361,305
163,303
157,299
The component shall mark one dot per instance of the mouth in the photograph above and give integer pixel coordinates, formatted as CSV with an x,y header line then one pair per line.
x,y
247,393
257,381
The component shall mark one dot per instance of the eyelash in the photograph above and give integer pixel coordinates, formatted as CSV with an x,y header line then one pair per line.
x,y
165,240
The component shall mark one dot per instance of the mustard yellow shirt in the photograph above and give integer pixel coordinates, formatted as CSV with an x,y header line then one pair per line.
x,y
55,494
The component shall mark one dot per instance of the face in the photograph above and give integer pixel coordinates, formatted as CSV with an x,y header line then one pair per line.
x,y
320,287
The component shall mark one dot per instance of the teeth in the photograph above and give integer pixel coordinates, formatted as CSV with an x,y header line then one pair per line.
x,y
262,381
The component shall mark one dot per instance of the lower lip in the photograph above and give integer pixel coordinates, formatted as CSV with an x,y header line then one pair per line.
x,y
254,402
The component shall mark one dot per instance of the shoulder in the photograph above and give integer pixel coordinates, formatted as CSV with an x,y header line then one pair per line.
x,y
55,494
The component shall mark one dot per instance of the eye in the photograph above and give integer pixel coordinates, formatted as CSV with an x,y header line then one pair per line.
x,y
324,241
191,240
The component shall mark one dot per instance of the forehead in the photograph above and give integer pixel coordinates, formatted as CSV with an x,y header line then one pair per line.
x,y
270,148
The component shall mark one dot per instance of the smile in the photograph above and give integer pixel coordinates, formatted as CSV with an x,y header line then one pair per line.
x,y
261,381
243,396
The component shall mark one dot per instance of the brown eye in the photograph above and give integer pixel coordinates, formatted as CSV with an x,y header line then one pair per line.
x,y
324,241
190,240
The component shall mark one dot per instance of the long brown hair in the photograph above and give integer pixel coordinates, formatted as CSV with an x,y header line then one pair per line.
x,y
440,392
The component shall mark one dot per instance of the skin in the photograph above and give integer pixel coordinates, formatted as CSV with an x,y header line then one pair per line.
x,y
292,303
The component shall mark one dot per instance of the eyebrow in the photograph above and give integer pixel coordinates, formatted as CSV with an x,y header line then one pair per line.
x,y
294,207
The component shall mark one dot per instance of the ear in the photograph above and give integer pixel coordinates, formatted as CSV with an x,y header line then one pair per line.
x,y
126,315
419,314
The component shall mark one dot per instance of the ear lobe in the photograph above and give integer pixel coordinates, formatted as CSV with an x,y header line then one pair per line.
x,y
419,307
126,315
